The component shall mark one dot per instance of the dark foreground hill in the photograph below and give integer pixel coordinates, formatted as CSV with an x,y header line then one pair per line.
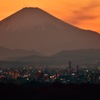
x,y
55,91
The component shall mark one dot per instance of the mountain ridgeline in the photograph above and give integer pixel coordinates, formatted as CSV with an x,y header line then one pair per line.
x,y
81,57
6,54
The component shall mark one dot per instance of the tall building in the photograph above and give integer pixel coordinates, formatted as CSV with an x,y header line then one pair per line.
x,y
77,70
70,68
70,65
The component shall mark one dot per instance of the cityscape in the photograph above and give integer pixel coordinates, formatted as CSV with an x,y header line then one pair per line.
x,y
64,74
50,50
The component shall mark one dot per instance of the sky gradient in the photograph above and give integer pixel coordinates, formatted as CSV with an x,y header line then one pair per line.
x,y
81,13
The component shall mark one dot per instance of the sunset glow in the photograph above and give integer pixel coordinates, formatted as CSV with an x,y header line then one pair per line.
x,y
81,13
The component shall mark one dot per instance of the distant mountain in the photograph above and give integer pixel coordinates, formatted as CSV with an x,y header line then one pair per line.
x,y
35,29
81,57
6,53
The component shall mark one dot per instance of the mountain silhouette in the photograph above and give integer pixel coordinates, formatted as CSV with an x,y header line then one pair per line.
x,y
35,29
6,53
82,57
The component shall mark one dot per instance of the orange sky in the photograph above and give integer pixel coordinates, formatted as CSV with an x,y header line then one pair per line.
x,y
82,13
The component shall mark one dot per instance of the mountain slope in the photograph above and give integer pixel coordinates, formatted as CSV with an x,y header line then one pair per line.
x,y
35,29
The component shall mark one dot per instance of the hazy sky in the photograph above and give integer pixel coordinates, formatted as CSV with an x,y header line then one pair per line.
x,y
81,13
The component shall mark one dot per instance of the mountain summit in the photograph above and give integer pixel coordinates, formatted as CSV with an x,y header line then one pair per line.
x,y
35,29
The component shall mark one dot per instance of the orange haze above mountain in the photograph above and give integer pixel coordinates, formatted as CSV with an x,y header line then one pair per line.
x,y
81,13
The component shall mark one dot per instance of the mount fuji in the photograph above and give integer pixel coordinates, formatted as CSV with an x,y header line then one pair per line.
x,y
34,29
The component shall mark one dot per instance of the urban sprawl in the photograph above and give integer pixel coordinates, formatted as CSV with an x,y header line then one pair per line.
x,y
48,74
